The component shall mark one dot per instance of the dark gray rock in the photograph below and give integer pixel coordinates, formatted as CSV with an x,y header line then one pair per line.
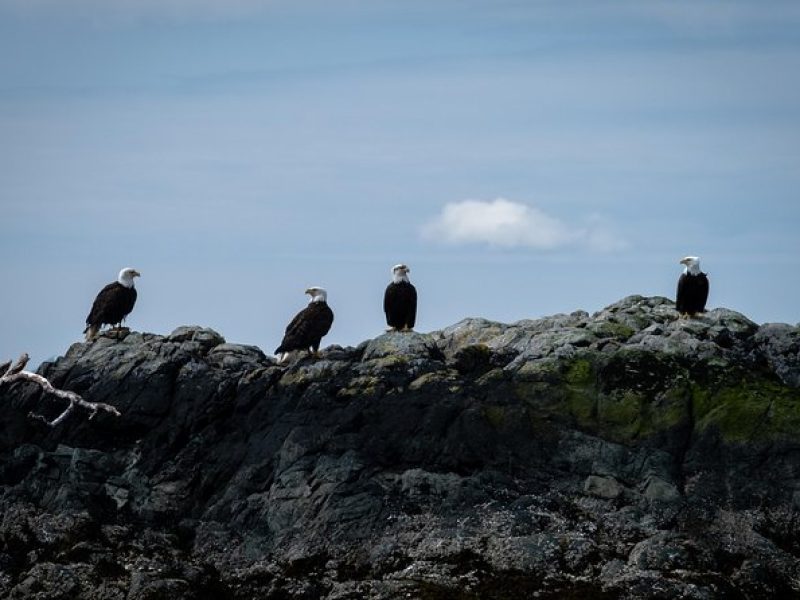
x,y
626,454
780,344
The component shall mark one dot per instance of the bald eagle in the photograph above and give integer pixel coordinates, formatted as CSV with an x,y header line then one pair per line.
x,y
114,302
306,330
692,288
400,301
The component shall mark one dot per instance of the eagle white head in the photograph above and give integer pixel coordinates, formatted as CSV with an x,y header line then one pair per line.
x,y
692,264
126,276
317,294
400,273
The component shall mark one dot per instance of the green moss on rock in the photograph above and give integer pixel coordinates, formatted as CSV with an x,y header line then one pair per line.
x,y
754,409
564,391
579,372
628,416
649,396
619,415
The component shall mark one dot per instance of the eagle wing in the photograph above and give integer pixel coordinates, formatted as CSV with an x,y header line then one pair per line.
x,y
112,304
702,290
412,306
307,327
400,304
692,293
680,294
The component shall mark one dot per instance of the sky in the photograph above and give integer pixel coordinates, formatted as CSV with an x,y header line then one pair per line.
x,y
524,158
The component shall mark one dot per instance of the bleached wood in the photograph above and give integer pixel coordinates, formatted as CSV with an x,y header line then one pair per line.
x,y
16,372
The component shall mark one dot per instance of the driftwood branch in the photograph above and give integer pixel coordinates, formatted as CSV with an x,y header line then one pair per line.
x,y
16,372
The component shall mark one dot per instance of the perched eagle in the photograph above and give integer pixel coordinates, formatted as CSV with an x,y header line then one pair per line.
x,y
692,288
308,327
113,303
400,301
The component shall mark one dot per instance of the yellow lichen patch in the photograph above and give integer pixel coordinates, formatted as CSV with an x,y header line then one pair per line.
x,y
492,377
360,386
291,378
426,379
538,370
388,362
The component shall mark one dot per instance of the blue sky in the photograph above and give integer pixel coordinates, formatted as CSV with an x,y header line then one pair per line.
x,y
524,158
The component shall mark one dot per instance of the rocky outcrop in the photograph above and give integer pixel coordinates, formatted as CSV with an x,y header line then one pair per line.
x,y
626,454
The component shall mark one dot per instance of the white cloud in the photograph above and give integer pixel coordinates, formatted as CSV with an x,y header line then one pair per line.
x,y
508,224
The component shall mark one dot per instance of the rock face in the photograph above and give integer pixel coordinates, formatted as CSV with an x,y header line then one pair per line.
x,y
626,454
